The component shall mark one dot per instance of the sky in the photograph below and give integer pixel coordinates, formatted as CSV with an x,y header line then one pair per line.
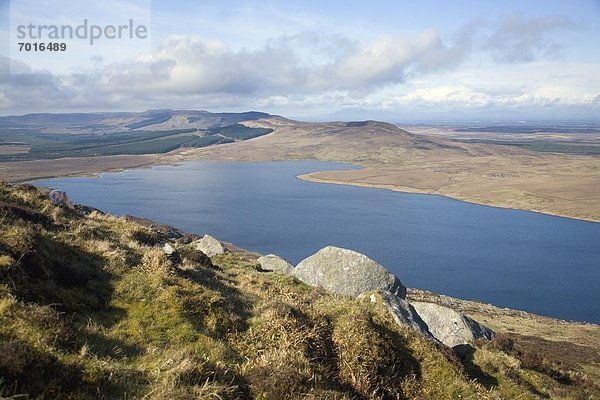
x,y
401,61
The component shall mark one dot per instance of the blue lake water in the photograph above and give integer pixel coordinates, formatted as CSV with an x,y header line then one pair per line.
x,y
517,259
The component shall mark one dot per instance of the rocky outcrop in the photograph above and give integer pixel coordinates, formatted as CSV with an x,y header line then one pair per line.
x,y
193,259
87,210
402,311
347,273
449,326
210,246
166,232
274,263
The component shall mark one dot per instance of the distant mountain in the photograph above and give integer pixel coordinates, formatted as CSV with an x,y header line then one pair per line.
x,y
127,121
55,119
353,114
53,136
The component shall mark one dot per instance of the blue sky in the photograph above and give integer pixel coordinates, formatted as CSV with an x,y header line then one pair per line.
x,y
400,60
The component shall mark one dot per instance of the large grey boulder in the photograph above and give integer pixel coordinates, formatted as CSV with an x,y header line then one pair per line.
x,y
347,273
402,311
449,326
274,263
210,246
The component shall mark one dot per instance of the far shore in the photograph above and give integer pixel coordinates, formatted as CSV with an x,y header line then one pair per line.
x,y
27,171
92,167
311,177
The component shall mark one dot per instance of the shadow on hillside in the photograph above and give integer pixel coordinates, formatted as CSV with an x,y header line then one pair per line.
x,y
237,308
466,354
12,210
103,346
24,368
71,280
408,365
67,277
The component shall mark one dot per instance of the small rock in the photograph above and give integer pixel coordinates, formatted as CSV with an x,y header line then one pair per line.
x,y
274,263
60,198
195,258
173,234
172,254
210,246
347,273
168,249
87,210
449,326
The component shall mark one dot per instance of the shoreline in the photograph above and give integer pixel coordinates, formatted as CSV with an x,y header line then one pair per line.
x,y
173,159
88,173
469,306
310,177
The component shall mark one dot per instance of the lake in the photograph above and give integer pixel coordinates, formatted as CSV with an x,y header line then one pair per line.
x,y
518,259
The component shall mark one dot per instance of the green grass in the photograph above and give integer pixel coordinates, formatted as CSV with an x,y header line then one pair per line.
x,y
91,307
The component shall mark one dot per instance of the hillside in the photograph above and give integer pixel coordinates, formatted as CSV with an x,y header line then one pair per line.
x,y
367,142
91,306
111,122
58,136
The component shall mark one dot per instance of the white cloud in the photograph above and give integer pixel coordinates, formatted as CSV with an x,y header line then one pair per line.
x,y
519,39
448,95
315,70
191,65
541,85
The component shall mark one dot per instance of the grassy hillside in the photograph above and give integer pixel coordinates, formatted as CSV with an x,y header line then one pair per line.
x,y
91,307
